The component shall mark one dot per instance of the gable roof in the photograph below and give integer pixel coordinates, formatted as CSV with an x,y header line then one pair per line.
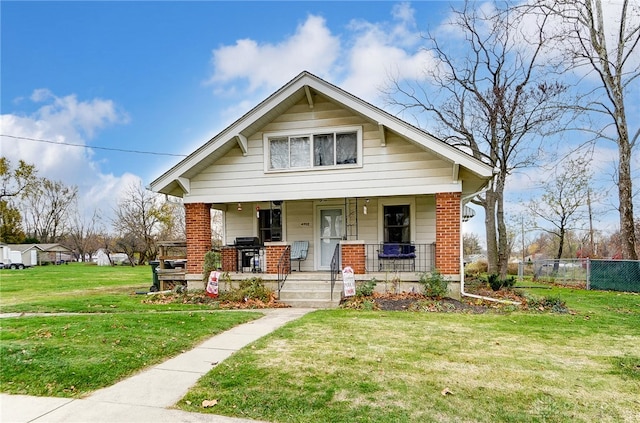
x,y
24,247
176,180
58,248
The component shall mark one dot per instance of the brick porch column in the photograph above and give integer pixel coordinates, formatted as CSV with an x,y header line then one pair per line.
x,y
198,226
273,253
353,255
229,259
448,209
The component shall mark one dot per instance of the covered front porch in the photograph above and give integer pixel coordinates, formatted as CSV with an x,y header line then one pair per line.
x,y
376,237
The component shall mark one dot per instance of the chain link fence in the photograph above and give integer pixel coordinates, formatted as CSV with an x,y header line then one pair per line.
x,y
606,275
614,275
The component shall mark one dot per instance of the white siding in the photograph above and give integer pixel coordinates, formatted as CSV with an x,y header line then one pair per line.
x,y
300,227
426,219
400,167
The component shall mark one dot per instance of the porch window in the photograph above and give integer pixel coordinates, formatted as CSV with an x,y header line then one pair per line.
x,y
315,150
397,224
270,225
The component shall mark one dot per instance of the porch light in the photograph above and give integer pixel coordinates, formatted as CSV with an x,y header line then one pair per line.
x,y
239,206
364,208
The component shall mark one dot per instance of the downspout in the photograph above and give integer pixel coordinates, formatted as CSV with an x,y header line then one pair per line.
x,y
462,292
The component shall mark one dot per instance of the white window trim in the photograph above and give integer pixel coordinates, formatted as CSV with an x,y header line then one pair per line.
x,y
310,133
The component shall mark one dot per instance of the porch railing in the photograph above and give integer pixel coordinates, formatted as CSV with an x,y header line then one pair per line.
x,y
411,258
284,267
335,267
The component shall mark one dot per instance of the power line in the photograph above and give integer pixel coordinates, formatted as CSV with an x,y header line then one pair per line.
x,y
122,150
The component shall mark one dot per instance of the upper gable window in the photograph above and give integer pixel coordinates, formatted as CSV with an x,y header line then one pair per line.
x,y
327,148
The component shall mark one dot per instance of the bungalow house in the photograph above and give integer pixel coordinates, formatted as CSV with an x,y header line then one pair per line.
x,y
315,169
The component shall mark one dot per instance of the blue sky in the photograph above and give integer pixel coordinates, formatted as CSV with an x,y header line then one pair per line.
x,y
166,76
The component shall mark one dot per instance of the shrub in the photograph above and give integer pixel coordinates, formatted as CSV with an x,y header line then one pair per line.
x,y
365,289
494,281
254,289
549,302
211,263
434,284
476,268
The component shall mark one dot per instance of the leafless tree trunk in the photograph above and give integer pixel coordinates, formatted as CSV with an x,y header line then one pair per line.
x,y
605,43
83,235
139,218
491,99
562,204
46,208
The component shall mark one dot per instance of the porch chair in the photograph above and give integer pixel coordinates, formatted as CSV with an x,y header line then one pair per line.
x,y
299,251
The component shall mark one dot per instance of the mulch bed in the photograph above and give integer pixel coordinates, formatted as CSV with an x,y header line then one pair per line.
x,y
409,301
218,302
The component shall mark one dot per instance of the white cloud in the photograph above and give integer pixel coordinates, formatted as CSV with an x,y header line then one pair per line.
x,y
380,51
65,120
361,60
312,47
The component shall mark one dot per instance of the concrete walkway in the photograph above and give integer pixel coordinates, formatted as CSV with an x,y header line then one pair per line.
x,y
146,396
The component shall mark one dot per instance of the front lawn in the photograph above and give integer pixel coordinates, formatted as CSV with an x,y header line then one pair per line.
x,y
372,366
70,356
78,287
116,335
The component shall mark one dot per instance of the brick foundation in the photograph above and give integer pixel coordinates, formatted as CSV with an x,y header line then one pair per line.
x,y
198,226
448,209
353,255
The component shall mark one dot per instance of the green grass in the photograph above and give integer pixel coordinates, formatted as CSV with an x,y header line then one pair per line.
x,y
116,336
360,366
78,287
70,356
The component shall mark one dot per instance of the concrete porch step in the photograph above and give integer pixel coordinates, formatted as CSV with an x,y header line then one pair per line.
x,y
307,303
307,292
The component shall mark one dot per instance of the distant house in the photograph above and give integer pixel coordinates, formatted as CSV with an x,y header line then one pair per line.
x,y
36,254
314,163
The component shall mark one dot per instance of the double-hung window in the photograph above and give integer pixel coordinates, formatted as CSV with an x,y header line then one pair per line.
x,y
326,149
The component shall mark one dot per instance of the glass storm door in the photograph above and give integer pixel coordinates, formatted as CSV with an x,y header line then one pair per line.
x,y
331,231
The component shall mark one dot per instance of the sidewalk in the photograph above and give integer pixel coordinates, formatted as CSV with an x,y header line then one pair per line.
x,y
146,396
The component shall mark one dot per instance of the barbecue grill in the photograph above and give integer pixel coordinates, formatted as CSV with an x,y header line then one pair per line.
x,y
248,248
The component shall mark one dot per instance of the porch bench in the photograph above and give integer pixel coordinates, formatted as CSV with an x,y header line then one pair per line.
x,y
398,256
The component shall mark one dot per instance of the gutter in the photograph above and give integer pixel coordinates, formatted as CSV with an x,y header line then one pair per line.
x,y
462,292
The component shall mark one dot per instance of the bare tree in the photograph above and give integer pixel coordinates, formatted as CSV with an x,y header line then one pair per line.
x,y
83,235
471,244
491,99
563,203
139,217
604,42
46,207
173,227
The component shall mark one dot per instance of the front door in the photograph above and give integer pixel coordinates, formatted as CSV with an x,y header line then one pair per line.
x,y
331,227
